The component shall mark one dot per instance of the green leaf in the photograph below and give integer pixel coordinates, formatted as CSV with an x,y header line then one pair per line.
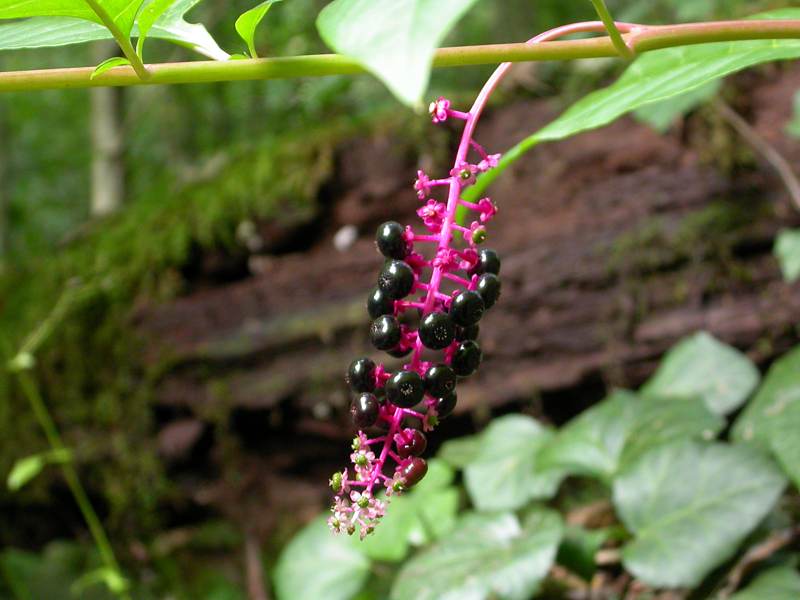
x,y
122,12
787,251
150,13
701,365
654,77
246,24
772,418
40,32
319,564
778,583
486,556
689,506
111,578
661,115
110,63
459,452
394,39
601,440
26,469
578,549
504,473
419,517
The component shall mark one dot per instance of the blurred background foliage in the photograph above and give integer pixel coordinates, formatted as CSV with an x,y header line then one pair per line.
x,y
197,161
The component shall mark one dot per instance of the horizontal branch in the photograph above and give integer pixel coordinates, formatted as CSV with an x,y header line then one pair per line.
x,y
641,39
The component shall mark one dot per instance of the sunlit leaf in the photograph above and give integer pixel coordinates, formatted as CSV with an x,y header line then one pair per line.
x,y
247,23
689,506
26,469
122,12
787,250
150,13
110,63
394,39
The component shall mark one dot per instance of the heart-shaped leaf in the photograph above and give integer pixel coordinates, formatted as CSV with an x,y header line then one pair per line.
x,y
701,365
690,505
485,556
504,474
247,23
394,39
772,419
778,583
318,564
787,250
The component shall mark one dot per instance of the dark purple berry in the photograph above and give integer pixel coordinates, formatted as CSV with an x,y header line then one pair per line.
x,y
413,472
446,405
379,304
364,411
385,332
467,308
361,375
488,262
396,279
391,240
466,358
437,331
440,380
415,446
489,288
405,389
467,333
399,352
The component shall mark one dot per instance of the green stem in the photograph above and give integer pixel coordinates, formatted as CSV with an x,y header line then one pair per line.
x,y
123,40
616,37
642,39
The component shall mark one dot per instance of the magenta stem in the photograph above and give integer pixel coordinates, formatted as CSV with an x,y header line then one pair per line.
x,y
387,446
457,279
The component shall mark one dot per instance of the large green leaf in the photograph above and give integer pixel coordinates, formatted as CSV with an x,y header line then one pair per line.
x,y
419,517
772,419
40,32
486,556
504,473
701,365
319,564
122,12
394,39
654,77
601,440
778,583
690,505
787,250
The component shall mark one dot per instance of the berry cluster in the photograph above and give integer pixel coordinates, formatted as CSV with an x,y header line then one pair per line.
x,y
426,305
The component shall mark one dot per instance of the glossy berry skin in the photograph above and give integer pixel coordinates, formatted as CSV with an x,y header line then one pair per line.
x,y
415,446
364,410
488,262
414,471
361,375
446,405
437,331
466,359
405,389
396,279
467,333
489,288
467,308
440,380
385,332
379,304
391,241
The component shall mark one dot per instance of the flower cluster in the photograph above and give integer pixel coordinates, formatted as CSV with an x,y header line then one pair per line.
x,y
431,293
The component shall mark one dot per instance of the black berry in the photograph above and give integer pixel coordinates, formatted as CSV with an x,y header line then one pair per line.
x,y
446,405
414,471
467,333
391,240
361,375
437,331
405,389
466,358
385,332
440,380
379,304
488,262
364,411
396,279
415,446
489,288
467,308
